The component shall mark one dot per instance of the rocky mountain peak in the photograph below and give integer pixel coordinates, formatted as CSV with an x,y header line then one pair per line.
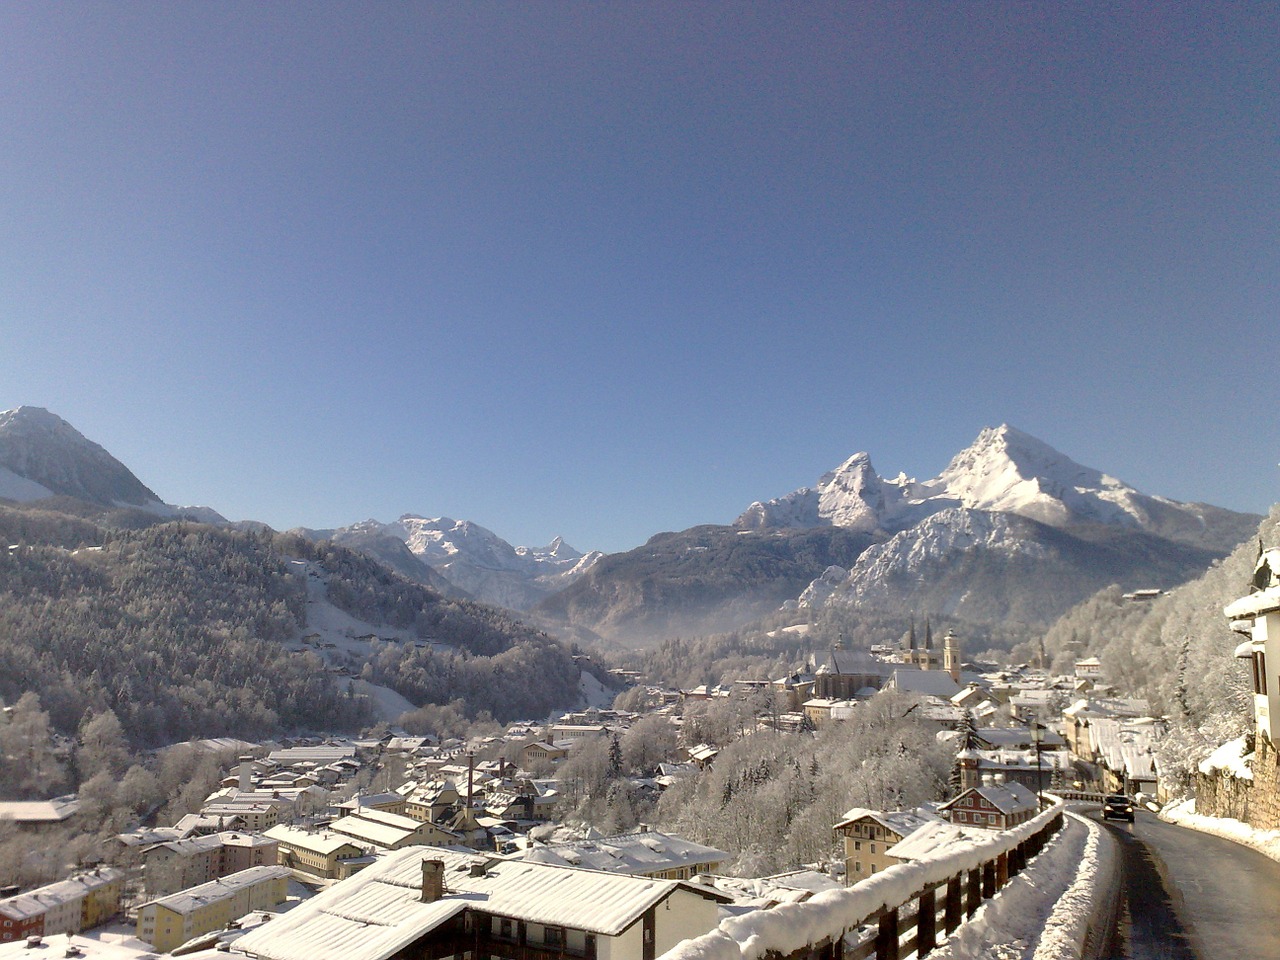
x,y
42,455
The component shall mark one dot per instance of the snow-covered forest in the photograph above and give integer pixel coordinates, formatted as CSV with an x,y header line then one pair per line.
x,y
1177,651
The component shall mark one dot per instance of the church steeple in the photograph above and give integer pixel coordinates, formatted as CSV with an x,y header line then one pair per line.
x,y
928,634
951,655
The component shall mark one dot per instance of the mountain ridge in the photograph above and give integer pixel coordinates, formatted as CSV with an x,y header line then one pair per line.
x,y
1033,529
470,559
1004,470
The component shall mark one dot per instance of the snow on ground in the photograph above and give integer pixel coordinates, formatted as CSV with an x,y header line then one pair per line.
x,y
1045,911
1183,813
594,693
337,626
387,704
14,487
799,629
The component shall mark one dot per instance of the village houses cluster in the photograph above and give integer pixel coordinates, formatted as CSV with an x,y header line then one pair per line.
x,y
423,844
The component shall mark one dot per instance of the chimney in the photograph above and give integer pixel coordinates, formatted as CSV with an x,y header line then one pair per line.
x,y
478,869
432,880
246,774
471,777
988,780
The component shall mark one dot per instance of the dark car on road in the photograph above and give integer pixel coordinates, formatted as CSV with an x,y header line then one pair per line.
x,y
1117,806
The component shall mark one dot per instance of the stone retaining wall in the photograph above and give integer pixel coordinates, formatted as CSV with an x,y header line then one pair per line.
x,y
1255,802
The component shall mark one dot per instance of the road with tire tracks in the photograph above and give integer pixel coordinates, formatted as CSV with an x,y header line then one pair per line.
x,y
1191,896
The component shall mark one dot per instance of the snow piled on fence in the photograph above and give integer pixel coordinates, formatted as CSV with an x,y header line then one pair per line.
x,y
1046,911
830,914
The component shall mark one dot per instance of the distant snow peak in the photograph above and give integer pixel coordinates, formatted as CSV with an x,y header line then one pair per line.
x,y
852,496
1003,470
478,561
1006,469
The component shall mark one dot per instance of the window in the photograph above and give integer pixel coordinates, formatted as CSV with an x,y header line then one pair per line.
x,y
1262,672
505,929
873,848
553,936
857,844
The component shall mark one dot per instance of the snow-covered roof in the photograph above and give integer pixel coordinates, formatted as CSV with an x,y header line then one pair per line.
x,y
325,753
1128,746
1254,605
936,683
931,838
193,898
323,843
372,831
796,886
1005,797
379,911
191,846
901,822
38,901
1089,708
40,811
634,853
1017,737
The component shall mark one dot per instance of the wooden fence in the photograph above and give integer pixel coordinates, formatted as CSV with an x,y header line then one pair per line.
x,y
903,910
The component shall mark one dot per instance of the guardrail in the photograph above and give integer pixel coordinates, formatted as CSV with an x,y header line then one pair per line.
x,y
1079,795
902,910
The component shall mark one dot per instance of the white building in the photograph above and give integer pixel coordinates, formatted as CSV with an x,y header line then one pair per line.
x,y
1257,617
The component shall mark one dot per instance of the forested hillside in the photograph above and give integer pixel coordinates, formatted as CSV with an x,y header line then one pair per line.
x,y
184,630
1177,650
772,798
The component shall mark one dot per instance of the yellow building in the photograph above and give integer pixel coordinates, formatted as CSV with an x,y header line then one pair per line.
x,y
173,920
316,856
868,835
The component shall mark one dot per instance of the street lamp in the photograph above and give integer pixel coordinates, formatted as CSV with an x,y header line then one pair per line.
x,y
1037,740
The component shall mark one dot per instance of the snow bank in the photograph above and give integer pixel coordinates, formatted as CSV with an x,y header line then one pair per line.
x,y
1183,813
1044,913
830,914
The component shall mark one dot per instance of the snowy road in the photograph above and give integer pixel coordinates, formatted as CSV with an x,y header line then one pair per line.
x,y
1191,896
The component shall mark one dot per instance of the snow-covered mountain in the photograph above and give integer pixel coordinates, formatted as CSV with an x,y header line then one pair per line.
x,y
1010,531
1010,528
1003,471
476,560
41,456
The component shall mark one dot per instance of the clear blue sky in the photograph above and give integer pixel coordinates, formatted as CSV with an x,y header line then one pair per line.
x,y
602,270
